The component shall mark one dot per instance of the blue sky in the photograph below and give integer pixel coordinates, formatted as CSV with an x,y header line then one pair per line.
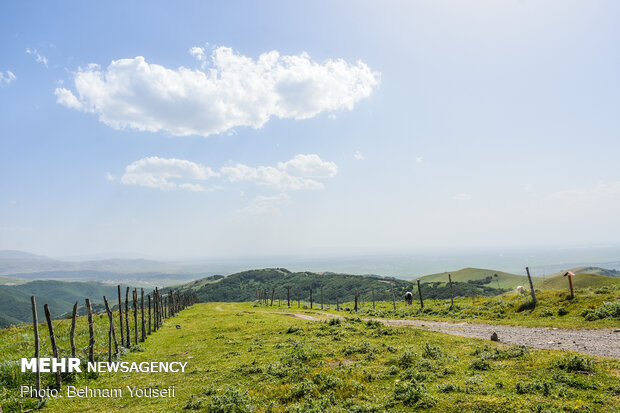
x,y
377,127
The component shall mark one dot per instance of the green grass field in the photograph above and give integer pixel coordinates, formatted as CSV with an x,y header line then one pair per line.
x,y
590,308
245,357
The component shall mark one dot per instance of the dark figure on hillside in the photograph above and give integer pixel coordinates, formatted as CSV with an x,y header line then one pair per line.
x,y
408,297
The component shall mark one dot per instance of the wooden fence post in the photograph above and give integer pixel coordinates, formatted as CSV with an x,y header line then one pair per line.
x,y
35,322
373,299
143,321
570,283
128,333
50,327
120,314
273,291
420,294
451,292
91,331
72,332
356,301
135,315
288,296
112,332
149,296
529,277
393,298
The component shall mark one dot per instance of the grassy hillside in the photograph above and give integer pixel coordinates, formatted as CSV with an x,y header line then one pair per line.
x,y
580,280
503,279
11,280
243,358
336,287
15,304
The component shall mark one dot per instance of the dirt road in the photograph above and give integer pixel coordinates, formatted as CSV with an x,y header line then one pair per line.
x,y
599,342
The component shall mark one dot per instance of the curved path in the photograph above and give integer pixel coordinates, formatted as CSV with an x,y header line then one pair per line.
x,y
599,342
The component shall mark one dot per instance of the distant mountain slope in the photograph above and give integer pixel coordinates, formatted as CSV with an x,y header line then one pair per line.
x,y
243,286
588,270
560,282
503,279
15,304
20,262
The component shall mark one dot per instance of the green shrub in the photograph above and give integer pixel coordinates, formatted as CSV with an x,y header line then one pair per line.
x,y
480,364
562,311
432,351
411,394
231,401
575,363
527,305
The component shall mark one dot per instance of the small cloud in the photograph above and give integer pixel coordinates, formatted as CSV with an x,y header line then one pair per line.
x,y
37,57
155,172
358,155
527,188
462,197
419,159
14,202
300,172
602,190
7,78
265,204
109,177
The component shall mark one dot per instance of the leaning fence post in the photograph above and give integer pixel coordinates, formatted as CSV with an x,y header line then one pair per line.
x,y
112,332
50,327
91,331
420,294
529,277
35,322
120,314
72,332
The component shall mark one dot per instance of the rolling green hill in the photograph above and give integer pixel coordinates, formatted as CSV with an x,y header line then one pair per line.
x,y
15,304
478,275
243,287
559,282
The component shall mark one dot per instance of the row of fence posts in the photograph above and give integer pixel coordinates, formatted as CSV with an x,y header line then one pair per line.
x,y
266,297
165,305
262,295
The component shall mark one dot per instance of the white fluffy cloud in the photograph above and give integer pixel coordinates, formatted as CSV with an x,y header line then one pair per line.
x,y
233,90
155,172
7,77
301,172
